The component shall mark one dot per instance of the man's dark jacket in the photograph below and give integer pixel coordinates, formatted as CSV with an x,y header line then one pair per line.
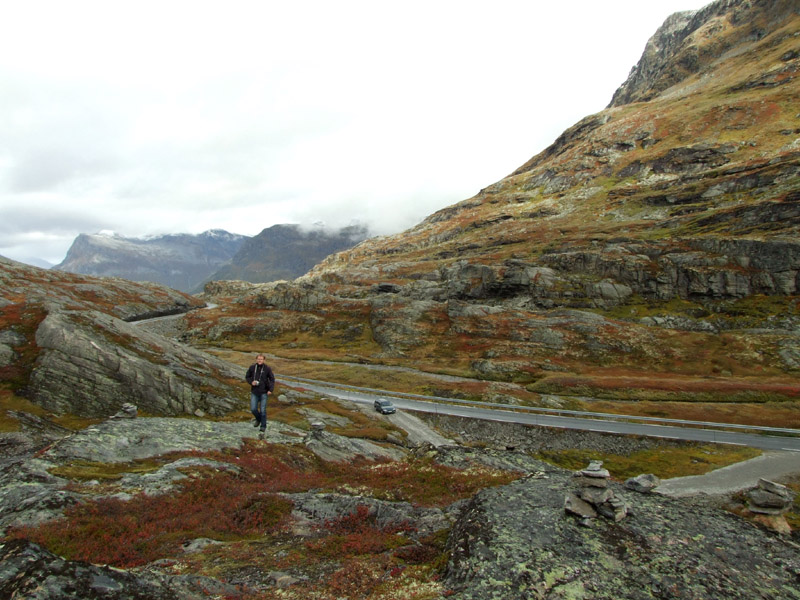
x,y
266,379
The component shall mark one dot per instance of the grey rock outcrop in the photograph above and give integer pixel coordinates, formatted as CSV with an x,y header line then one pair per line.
x,y
312,512
92,364
517,542
332,447
608,276
28,571
125,440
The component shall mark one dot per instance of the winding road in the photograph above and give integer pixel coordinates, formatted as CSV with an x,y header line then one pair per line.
x,y
767,439
781,447
781,457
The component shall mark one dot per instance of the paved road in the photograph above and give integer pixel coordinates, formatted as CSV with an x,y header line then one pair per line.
x,y
772,465
780,459
363,395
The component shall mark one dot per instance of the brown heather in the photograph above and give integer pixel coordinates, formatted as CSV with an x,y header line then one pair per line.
x,y
246,505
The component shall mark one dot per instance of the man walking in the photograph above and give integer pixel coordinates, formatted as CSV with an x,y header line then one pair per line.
x,y
262,383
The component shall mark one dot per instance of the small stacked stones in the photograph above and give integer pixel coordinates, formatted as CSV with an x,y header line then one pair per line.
x,y
594,497
770,501
317,427
127,411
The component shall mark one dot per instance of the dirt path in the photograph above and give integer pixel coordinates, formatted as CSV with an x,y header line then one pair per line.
x,y
773,465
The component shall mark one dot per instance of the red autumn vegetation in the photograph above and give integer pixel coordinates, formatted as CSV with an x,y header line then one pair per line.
x,y
244,503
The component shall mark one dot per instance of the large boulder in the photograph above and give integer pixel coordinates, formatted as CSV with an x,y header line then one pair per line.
x,y
91,364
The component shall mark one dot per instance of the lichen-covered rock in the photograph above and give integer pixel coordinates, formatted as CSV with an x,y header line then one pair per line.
x,y
329,446
518,542
644,483
313,511
125,440
28,571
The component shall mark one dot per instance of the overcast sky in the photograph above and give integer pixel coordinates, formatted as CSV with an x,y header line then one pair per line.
x,y
158,117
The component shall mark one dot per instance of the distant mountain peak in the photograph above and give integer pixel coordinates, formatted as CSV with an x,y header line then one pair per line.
x,y
288,251
180,261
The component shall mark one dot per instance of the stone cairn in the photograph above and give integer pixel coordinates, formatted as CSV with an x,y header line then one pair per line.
x,y
593,496
317,428
769,501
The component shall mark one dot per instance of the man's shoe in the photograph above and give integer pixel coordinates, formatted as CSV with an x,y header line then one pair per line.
x,y
256,422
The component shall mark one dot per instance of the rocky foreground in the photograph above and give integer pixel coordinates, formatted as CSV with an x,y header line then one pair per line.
x,y
525,539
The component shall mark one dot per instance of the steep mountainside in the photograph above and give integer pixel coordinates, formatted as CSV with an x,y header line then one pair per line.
x,y
286,252
654,241
180,261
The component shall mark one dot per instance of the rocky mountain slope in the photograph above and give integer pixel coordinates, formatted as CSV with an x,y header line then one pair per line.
x,y
652,243
286,252
68,345
180,261
336,502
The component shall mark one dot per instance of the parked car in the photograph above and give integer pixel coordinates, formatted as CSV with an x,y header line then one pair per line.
x,y
384,406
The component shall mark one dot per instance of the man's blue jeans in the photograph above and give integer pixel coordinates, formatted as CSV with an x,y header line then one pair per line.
x,y
258,406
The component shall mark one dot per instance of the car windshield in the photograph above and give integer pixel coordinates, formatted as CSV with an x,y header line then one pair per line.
x,y
384,403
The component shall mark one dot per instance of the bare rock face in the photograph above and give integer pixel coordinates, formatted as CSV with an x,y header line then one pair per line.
x,y
332,447
314,510
689,42
91,364
66,344
180,261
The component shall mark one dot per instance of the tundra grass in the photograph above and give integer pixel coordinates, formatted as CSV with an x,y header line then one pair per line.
x,y
664,462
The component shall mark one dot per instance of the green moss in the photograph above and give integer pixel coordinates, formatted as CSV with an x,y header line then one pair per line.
x,y
638,307
11,403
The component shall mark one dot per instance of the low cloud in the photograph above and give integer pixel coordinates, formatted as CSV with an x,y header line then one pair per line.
x,y
165,118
